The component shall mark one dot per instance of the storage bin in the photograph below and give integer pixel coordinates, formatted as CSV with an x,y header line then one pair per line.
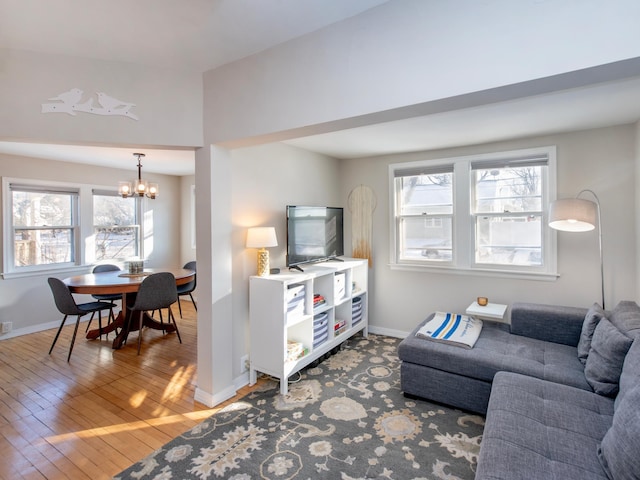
x,y
321,339
295,307
293,292
320,328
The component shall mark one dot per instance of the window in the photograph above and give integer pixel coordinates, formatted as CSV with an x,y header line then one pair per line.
x,y
484,212
55,226
44,226
425,213
115,227
507,212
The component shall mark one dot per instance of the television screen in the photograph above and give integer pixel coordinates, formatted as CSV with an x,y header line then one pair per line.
x,y
313,234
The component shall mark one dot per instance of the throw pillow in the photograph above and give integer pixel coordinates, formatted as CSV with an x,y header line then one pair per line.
x,y
609,346
589,325
626,317
619,451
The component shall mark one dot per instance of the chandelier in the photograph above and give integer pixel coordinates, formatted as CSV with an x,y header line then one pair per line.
x,y
138,187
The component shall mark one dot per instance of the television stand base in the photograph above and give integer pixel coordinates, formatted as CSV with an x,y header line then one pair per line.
x,y
330,259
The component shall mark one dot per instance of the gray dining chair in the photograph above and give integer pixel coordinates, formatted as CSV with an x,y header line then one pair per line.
x,y
106,297
67,305
157,291
187,288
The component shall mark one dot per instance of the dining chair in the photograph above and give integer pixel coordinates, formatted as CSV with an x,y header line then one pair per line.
x,y
107,297
157,291
67,305
187,288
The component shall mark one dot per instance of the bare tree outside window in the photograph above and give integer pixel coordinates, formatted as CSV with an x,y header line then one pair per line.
x,y
115,227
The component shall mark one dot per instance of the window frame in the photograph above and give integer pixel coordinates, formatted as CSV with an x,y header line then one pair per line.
x,y
84,255
9,231
464,241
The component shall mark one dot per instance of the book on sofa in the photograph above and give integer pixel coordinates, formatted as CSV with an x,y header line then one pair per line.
x,y
452,328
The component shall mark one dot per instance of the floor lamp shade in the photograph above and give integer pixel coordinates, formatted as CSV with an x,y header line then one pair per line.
x,y
573,215
260,238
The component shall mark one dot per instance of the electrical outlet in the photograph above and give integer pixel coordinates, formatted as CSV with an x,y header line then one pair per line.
x,y
244,364
6,327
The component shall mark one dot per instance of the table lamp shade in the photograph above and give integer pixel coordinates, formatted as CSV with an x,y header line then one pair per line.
x,y
260,238
573,215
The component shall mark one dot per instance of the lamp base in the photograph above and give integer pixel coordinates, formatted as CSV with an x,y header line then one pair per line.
x,y
263,262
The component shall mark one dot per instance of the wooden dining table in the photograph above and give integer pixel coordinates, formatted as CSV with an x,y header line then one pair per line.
x,y
127,284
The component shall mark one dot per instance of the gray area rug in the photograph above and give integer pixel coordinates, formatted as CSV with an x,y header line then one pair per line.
x,y
345,418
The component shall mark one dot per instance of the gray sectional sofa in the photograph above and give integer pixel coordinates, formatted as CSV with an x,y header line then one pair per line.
x,y
560,388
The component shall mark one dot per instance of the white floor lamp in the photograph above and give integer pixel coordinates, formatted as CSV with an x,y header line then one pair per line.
x,y
579,215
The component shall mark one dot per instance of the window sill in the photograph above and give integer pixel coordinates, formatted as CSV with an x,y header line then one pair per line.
x,y
41,272
476,272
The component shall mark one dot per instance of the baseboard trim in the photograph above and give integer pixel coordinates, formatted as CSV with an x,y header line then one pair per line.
x,y
212,400
241,381
389,332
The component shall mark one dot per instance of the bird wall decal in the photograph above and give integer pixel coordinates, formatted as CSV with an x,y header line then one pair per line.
x,y
111,103
71,97
70,102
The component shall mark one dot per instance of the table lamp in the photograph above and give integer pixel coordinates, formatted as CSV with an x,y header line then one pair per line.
x,y
578,215
260,238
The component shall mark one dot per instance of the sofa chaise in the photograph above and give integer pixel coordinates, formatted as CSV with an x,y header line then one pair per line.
x,y
560,388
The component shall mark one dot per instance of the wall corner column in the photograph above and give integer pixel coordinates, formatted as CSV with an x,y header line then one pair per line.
x,y
214,256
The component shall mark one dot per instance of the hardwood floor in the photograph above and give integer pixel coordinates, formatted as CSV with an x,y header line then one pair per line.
x,y
106,409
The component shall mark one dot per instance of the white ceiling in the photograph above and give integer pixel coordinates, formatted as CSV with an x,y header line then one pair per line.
x,y
196,35
203,34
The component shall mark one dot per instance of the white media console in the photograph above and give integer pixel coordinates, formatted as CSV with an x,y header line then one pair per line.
x,y
289,330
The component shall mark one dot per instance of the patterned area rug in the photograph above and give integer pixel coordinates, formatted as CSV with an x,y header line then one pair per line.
x,y
346,418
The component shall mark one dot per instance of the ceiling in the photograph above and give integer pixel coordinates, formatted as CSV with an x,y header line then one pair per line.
x,y
200,35
196,35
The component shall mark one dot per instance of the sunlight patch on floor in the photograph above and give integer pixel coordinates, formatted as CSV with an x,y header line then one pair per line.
x,y
137,399
131,426
180,379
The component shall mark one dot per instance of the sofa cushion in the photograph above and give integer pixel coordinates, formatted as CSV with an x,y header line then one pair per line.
x,y
630,376
497,349
626,317
540,429
609,347
619,452
591,320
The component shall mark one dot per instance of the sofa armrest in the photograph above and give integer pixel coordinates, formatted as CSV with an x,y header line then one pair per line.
x,y
550,323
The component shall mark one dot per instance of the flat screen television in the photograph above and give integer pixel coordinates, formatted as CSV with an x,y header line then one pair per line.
x,y
314,234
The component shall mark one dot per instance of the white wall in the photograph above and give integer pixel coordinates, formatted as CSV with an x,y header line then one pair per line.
x,y
422,55
602,160
167,102
265,180
27,301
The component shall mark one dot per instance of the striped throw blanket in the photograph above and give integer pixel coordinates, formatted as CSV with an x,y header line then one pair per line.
x,y
452,328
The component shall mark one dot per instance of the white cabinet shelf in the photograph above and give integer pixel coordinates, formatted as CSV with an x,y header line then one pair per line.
x,y
288,332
